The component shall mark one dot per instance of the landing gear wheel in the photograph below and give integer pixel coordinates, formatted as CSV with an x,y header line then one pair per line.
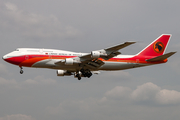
x,y
79,78
86,73
21,71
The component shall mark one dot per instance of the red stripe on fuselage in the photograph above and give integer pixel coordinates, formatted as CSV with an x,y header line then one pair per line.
x,y
29,60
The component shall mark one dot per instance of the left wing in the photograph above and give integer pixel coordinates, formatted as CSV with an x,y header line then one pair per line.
x,y
108,52
92,60
118,47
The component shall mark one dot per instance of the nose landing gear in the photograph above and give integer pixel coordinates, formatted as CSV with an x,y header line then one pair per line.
x,y
21,71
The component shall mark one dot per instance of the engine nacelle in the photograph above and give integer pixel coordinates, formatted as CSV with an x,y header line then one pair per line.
x,y
95,54
63,73
69,61
60,72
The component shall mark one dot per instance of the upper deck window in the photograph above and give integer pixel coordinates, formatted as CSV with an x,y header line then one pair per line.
x,y
32,50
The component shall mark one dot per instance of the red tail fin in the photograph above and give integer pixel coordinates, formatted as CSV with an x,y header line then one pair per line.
x,y
157,47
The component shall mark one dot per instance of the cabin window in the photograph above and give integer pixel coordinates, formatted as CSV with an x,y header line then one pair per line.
x,y
32,51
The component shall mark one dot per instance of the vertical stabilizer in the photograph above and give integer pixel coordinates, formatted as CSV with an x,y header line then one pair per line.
x,y
157,47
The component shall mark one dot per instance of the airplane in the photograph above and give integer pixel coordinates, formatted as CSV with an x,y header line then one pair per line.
x,y
69,63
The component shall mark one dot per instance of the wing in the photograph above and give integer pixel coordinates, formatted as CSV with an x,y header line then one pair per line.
x,y
108,52
92,60
118,47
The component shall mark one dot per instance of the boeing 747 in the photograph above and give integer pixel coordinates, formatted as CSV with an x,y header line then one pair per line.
x,y
85,64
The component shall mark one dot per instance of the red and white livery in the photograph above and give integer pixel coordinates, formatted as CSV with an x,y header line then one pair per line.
x,y
85,64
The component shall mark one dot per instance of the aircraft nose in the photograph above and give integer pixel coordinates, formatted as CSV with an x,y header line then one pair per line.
x,y
4,57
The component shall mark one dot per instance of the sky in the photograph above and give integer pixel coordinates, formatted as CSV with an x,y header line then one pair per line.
x,y
151,92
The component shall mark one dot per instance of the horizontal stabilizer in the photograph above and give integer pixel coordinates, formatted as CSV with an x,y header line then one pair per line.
x,y
161,58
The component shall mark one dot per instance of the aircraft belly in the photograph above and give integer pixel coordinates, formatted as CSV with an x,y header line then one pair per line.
x,y
118,66
49,63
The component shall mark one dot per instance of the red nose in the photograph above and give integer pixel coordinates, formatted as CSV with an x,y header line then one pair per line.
x,y
14,60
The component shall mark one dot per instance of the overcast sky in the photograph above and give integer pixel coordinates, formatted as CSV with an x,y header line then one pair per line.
x,y
82,26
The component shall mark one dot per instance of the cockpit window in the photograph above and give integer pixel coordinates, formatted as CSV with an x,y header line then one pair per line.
x,y
17,49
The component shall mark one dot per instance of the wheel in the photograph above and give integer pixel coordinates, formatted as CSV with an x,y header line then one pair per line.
x,y
21,71
89,74
79,78
77,75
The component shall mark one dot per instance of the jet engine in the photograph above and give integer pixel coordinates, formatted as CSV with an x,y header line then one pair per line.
x,y
95,54
69,61
63,73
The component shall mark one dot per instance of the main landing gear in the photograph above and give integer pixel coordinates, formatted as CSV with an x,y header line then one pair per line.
x,y
83,73
86,73
78,76
21,71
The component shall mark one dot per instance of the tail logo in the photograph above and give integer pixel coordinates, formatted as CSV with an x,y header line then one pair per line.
x,y
158,47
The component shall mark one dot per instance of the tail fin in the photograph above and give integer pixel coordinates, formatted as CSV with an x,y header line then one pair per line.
x,y
157,47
